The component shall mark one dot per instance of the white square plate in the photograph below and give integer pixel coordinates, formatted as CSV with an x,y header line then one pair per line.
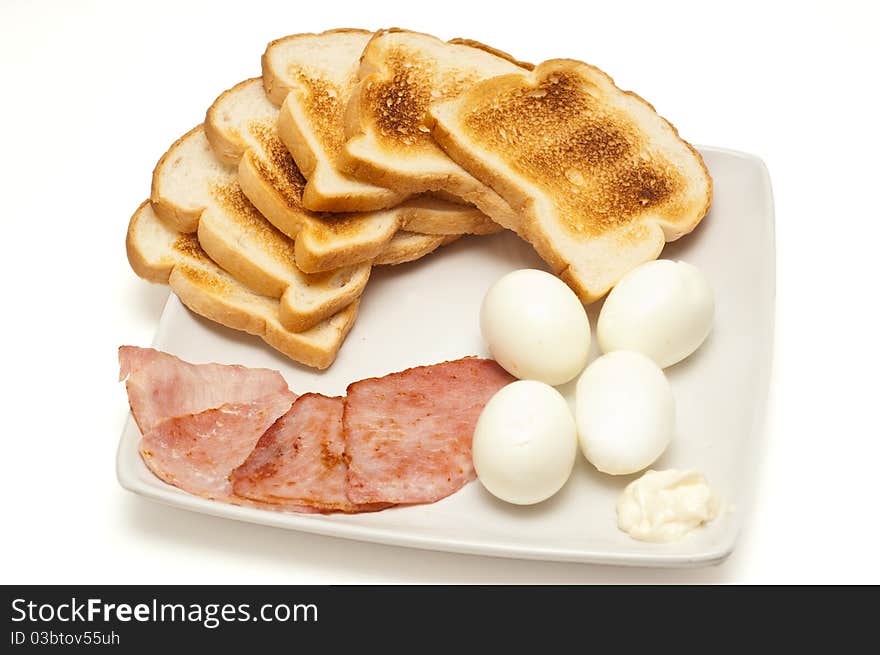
x,y
427,312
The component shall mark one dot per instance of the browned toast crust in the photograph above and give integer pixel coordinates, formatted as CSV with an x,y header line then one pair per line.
x,y
183,219
240,239
158,254
492,51
275,88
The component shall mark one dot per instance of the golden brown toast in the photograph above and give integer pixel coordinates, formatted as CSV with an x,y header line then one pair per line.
x,y
310,77
159,253
598,180
241,127
194,192
389,140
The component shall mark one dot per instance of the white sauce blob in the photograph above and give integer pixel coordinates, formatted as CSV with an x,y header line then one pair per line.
x,y
665,506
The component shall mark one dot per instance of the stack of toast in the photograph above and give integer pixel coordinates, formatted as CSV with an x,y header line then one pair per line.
x,y
358,149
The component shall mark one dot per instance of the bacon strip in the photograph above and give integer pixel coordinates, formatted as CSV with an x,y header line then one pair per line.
x,y
408,435
161,386
197,452
199,421
300,460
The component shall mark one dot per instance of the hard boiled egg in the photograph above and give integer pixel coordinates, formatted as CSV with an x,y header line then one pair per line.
x,y
536,327
525,443
625,412
662,309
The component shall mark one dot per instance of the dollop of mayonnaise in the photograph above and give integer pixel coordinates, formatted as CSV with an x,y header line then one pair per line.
x,y
664,506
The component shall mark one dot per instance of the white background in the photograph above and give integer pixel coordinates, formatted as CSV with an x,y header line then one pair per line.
x,y
95,92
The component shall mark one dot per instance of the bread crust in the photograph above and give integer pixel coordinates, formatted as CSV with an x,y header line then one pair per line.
x,y
150,269
255,265
182,219
220,310
274,84
460,220
203,287
492,51
404,248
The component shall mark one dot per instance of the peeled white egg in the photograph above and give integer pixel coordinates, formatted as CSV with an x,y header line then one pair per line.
x,y
625,412
525,443
536,327
663,309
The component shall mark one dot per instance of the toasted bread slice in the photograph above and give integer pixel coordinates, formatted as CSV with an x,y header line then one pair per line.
x,y
310,77
198,193
599,180
389,141
409,246
241,126
159,253
424,214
